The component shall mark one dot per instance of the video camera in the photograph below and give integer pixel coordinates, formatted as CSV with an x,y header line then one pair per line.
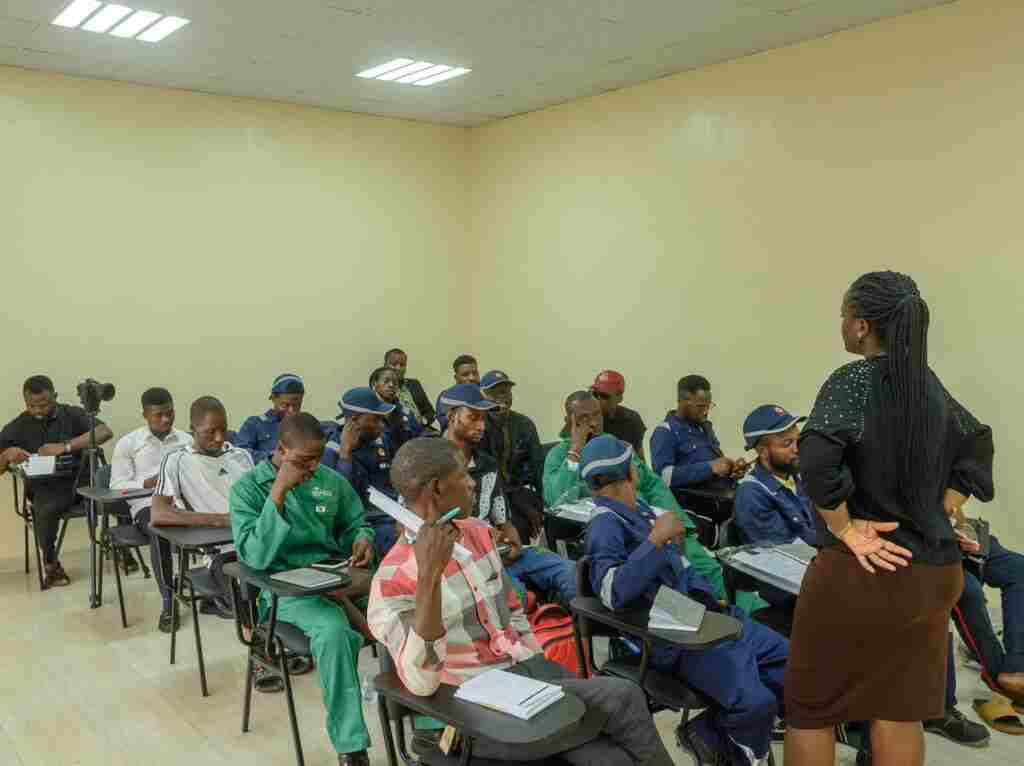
x,y
92,393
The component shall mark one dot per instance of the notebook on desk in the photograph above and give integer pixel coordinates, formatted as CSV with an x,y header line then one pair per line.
x,y
674,611
509,693
307,577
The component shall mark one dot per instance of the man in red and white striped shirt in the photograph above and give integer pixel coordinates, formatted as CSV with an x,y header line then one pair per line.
x,y
446,620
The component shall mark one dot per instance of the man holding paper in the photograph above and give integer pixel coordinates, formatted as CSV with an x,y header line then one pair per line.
x,y
290,512
448,621
635,552
59,432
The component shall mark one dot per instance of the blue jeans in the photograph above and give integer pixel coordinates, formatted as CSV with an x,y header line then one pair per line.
x,y
544,571
1003,570
385,533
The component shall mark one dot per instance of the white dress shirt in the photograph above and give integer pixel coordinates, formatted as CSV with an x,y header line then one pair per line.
x,y
138,456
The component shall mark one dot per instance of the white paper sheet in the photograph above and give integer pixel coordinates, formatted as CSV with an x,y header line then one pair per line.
x,y
410,520
39,465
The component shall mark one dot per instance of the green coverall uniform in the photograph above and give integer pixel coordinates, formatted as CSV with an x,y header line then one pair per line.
x,y
322,518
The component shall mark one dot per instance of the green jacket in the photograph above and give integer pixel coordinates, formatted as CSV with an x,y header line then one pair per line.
x,y
322,518
562,484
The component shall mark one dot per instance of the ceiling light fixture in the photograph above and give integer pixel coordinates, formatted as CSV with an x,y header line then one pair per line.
x,y
383,68
409,72
107,18
134,24
166,26
76,13
457,72
118,20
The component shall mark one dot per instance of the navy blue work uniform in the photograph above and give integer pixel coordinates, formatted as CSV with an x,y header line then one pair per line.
x,y
743,676
682,452
258,434
767,511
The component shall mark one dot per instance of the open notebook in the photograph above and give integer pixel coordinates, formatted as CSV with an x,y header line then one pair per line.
x,y
510,693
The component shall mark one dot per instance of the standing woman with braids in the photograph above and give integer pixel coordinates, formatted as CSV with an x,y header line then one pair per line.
x,y
886,455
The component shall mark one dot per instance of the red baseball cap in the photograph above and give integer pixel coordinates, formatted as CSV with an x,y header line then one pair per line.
x,y
609,382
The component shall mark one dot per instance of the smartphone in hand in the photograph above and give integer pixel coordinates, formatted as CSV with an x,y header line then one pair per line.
x,y
332,565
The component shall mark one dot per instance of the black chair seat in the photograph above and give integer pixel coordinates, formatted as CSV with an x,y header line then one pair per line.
x,y
430,755
203,583
662,689
294,640
128,536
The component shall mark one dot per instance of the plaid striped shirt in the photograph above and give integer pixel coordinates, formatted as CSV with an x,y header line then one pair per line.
x,y
484,623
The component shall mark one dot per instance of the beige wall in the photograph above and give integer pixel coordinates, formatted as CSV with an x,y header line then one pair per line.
x,y
156,237
709,223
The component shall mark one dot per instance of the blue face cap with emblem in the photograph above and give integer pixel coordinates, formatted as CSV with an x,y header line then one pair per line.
x,y
766,420
605,456
363,401
494,378
466,395
288,383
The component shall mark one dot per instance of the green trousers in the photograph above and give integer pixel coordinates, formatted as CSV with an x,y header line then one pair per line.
x,y
709,568
335,646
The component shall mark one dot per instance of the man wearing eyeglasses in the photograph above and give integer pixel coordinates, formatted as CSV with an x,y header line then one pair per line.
x,y
685,451
621,422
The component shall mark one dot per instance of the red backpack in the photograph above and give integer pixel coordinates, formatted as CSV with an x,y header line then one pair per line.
x,y
552,625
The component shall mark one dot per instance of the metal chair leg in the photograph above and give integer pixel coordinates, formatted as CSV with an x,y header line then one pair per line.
x,y
175,609
250,681
26,549
291,705
142,562
199,640
39,557
115,554
385,725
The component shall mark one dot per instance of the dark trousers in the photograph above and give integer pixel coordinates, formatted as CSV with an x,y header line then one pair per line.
x,y
1004,569
629,737
159,557
50,501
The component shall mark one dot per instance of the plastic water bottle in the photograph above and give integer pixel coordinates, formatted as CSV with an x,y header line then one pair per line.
x,y
369,693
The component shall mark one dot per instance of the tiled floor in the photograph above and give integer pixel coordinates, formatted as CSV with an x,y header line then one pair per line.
x,y
76,688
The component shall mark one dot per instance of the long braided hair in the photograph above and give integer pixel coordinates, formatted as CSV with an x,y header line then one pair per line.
x,y
899,316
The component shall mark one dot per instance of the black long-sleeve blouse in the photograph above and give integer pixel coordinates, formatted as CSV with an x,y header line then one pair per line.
x,y
842,454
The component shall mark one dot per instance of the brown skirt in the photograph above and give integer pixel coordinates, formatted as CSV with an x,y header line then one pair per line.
x,y
869,647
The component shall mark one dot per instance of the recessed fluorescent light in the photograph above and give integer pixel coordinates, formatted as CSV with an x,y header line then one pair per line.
x,y
166,26
384,68
105,19
135,24
457,72
403,71
76,13
434,70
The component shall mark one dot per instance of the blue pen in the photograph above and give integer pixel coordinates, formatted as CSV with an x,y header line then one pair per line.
x,y
447,517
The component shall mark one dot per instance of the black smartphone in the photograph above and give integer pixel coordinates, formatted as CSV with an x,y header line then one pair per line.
x,y
331,565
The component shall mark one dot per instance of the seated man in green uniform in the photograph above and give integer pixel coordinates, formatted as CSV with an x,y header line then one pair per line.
x,y
291,512
563,484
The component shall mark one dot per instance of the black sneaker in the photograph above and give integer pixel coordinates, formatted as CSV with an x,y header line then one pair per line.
x,y
958,728
689,738
55,576
165,625
359,758
218,607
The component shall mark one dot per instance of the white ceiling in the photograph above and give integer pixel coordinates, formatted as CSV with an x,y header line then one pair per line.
x,y
525,54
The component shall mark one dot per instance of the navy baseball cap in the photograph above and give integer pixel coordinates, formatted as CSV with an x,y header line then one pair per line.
x,y
466,395
288,383
363,401
605,456
765,420
494,378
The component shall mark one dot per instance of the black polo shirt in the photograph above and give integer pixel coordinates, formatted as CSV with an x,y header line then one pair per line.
x,y
628,426
62,425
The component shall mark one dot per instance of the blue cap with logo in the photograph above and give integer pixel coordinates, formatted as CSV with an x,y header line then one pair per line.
x,y
363,401
605,456
494,378
766,420
466,395
288,383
